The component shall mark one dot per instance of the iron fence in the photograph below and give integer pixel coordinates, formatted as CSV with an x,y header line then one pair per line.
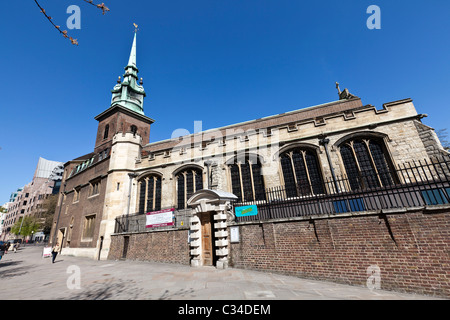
x,y
411,184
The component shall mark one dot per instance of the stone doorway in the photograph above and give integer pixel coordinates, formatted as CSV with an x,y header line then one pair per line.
x,y
61,237
209,228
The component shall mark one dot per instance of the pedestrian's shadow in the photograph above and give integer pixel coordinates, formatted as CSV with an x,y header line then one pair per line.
x,y
7,263
6,272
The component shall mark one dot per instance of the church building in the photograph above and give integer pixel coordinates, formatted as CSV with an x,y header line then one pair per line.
x,y
178,200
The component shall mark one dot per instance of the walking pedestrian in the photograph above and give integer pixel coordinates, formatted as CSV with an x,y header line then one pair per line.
x,y
2,250
55,251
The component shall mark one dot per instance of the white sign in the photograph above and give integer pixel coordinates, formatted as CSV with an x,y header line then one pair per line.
x,y
234,234
160,218
47,252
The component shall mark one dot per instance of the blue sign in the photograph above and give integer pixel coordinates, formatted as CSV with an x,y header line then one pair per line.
x,y
246,211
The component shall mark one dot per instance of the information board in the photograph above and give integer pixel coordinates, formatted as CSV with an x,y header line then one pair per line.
x,y
234,234
160,218
47,252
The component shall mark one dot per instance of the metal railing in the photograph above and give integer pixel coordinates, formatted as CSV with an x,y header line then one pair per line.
x,y
412,184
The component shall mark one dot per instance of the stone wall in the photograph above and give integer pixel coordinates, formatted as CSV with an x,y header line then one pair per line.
x,y
411,248
430,140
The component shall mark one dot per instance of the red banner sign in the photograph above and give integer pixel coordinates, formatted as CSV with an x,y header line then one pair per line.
x,y
160,218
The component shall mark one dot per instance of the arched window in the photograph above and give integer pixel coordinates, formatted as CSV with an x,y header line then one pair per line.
x,y
366,163
246,179
188,182
105,134
301,172
150,194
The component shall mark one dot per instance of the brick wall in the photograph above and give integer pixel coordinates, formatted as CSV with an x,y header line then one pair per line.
x,y
158,246
412,249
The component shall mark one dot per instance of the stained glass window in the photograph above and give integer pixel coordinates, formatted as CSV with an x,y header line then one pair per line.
x,y
189,181
366,163
246,179
301,172
150,194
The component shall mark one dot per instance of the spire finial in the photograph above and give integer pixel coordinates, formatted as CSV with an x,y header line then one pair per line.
x,y
135,27
132,60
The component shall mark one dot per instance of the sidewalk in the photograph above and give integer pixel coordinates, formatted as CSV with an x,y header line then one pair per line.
x,y
26,275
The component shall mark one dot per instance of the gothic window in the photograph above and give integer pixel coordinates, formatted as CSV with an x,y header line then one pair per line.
x,y
89,227
366,163
188,182
301,172
76,194
95,188
105,135
247,182
149,189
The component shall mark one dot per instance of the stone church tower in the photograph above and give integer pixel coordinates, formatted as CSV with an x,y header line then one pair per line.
x,y
98,185
130,130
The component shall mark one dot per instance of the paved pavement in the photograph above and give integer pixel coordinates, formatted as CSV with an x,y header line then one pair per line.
x,y
26,275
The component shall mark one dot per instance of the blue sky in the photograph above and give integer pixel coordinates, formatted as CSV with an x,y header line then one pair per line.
x,y
215,61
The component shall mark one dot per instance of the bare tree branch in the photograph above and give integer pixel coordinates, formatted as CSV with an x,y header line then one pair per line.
x,y
64,32
100,6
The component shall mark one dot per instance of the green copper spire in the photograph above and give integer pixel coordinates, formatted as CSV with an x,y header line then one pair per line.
x,y
128,93
132,60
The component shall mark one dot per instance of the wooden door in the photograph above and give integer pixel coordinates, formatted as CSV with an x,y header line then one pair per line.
x,y
207,247
60,238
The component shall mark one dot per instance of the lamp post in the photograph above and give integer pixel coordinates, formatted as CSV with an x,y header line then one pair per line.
x,y
208,164
59,214
132,176
20,228
324,142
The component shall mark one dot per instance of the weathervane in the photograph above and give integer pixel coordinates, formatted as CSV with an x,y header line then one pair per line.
x,y
135,27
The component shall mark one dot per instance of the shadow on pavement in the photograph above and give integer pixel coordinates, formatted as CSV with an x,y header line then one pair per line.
x,y
6,272
180,293
5,263
108,289
113,289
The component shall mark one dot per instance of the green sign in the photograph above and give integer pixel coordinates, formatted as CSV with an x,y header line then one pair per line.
x,y
246,211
